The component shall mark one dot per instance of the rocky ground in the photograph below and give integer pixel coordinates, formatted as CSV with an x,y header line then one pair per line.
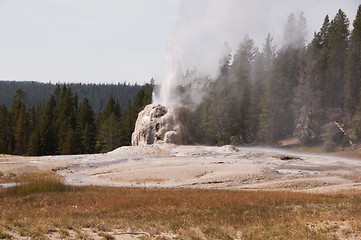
x,y
171,166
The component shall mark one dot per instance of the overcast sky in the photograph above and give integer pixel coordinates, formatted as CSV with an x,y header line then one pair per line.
x,y
111,41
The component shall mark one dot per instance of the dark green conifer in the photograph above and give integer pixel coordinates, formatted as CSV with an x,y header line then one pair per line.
x,y
6,132
353,67
47,128
87,127
338,42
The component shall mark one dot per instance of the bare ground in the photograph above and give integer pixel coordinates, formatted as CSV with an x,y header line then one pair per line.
x,y
171,166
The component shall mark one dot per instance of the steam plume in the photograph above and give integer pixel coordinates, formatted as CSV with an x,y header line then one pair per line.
x,y
203,28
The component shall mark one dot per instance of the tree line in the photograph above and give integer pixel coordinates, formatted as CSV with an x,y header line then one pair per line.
x,y
64,126
97,94
260,97
266,96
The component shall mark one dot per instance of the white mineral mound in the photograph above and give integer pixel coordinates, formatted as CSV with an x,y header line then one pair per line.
x,y
158,124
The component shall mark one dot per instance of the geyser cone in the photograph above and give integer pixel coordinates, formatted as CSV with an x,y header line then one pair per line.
x,y
158,124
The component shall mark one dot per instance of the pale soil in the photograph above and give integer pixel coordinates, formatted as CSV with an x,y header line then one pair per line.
x,y
88,233
171,166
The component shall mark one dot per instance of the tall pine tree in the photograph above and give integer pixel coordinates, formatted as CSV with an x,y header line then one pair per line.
x,y
109,136
353,67
6,132
338,42
87,127
47,128
277,117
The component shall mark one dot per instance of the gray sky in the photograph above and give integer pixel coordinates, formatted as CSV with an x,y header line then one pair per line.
x,y
111,41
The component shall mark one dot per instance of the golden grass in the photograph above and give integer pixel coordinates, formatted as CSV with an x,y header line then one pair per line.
x,y
186,213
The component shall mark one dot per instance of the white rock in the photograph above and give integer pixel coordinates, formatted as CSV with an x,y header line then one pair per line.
x,y
158,124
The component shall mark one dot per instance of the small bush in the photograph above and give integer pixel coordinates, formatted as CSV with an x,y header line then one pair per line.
x,y
12,175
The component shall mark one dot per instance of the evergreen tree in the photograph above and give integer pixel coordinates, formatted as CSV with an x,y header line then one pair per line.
x,y
338,42
226,62
277,117
111,108
307,107
19,126
34,134
19,102
87,127
34,116
109,136
21,132
66,125
143,97
6,133
353,67
34,143
47,128
56,92
240,104
261,70
295,32
224,109
70,144
317,60
127,124
310,90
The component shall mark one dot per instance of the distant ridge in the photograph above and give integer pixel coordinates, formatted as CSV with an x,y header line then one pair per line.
x,y
97,94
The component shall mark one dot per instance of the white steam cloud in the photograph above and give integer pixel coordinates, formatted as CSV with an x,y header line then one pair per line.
x,y
204,26
198,44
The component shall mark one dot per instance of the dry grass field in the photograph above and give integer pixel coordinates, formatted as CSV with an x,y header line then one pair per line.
x,y
44,208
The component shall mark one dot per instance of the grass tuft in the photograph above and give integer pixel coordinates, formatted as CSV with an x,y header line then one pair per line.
x,y
106,236
43,183
5,236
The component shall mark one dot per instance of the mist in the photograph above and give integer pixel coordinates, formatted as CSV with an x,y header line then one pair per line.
x,y
209,30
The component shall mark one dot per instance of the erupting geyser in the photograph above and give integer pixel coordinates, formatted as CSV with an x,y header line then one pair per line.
x,y
165,120
158,124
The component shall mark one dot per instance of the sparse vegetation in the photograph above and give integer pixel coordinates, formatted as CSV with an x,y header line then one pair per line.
x,y
5,236
53,208
8,177
41,183
107,236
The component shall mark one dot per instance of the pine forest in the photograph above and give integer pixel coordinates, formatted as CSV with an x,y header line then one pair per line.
x,y
308,94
